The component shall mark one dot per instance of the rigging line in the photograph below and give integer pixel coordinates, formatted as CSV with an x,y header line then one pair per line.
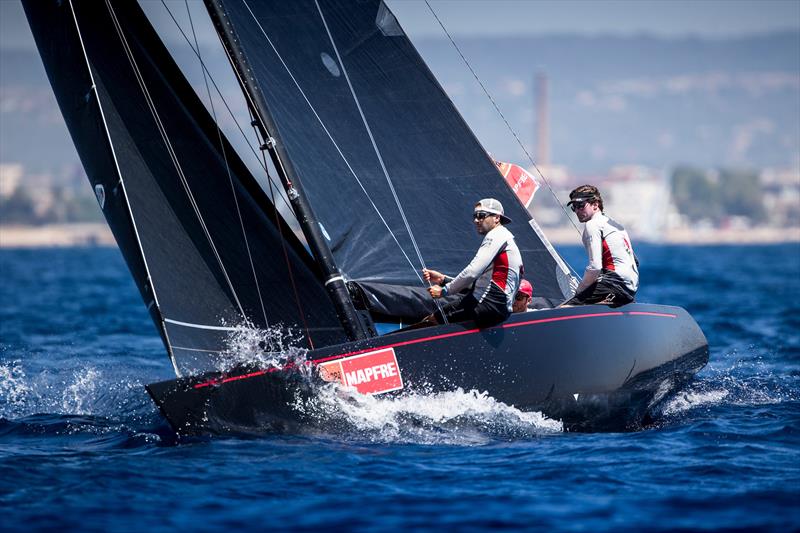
x,y
328,133
285,252
530,158
170,352
221,97
378,153
170,150
227,167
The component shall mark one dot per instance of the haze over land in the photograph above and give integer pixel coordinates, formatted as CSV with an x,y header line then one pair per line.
x,y
613,100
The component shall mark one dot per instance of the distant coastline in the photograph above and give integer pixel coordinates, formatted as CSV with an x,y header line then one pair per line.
x,y
56,235
98,234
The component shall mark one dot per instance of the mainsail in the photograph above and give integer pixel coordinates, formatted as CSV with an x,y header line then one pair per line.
x,y
388,164
202,240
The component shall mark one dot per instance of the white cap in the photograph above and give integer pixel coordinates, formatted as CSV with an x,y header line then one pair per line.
x,y
490,205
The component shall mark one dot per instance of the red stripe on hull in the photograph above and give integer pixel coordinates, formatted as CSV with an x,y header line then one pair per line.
x,y
220,381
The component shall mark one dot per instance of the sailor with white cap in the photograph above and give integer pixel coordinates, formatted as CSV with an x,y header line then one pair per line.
x,y
493,273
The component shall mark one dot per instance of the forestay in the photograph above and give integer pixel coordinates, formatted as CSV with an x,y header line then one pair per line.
x,y
379,147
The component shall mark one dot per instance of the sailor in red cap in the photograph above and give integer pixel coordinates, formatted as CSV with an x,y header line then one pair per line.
x,y
523,297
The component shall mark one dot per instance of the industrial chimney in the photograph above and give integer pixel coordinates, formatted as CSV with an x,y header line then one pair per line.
x,y
542,122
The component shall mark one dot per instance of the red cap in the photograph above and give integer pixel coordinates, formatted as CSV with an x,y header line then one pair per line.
x,y
526,288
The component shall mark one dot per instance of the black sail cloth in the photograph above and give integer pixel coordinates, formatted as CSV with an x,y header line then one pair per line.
x,y
198,234
359,114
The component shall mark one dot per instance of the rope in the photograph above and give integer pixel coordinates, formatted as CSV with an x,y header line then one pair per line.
x,y
516,137
227,167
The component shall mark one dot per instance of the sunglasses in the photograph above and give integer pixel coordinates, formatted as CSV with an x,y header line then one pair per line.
x,y
480,215
520,296
577,205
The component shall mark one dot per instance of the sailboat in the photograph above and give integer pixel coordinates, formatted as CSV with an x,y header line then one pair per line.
x,y
381,173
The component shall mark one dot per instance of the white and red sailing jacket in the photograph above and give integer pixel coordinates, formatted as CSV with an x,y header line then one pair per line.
x,y
497,262
609,249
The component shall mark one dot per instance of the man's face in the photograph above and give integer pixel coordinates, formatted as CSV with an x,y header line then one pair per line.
x,y
485,222
585,210
520,303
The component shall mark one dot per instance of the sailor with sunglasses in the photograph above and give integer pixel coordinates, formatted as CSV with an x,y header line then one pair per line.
x,y
493,274
612,275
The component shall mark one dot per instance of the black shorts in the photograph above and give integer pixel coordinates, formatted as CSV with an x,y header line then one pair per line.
x,y
609,289
489,312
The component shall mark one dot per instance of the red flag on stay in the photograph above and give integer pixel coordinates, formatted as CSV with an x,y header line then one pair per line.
x,y
520,180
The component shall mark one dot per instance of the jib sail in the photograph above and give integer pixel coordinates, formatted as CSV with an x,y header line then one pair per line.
x,y
202,240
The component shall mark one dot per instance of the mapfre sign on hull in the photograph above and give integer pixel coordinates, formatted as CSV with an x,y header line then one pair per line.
x,y
368,373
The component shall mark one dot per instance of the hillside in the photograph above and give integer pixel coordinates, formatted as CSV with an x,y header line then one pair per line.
x,y
613,100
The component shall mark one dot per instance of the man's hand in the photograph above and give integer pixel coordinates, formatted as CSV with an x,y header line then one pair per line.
x,y
432,276
435,291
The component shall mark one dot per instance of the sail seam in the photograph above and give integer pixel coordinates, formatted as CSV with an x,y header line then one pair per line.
x,y
173,155
124,190
330,136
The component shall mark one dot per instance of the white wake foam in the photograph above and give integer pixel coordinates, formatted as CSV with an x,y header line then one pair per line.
x,y
456,416
14,390
688,400
81,390
745,383
79,395
450,417
274,346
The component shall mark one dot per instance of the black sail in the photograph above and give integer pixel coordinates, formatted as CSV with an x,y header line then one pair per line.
x,y
366,126
202,240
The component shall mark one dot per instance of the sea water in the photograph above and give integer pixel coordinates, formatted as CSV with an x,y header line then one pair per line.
x,y
83,447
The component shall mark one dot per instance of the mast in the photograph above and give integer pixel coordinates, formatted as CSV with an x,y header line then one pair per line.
x,y
310,225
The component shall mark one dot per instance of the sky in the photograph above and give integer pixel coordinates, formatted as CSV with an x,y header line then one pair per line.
x,y
708,18
704,18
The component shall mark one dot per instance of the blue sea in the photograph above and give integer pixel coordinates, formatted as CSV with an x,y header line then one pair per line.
x,y
82,447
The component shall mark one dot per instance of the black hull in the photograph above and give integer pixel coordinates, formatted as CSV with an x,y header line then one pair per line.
x,y
592,367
